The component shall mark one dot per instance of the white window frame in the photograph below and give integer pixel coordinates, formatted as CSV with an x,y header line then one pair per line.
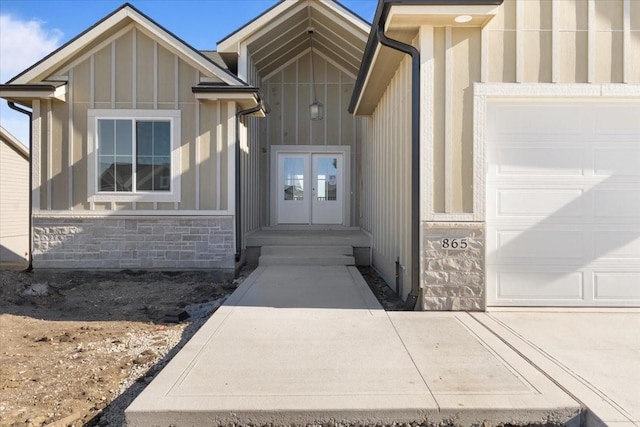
x,y
173,116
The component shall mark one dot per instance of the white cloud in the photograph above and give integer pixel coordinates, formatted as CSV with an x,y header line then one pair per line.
x,y
22,44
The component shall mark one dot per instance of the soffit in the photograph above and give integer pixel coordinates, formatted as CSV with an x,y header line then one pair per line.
x,y
339,36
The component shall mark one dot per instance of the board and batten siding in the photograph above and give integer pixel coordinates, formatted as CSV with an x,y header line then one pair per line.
x,y
250,155
386,170
14,205
131,71
289,92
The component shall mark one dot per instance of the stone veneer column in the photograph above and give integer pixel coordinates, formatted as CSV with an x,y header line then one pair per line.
x,y
453,278
145,243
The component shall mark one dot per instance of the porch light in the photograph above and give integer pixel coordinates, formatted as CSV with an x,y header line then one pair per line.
x,y
316,109
463,19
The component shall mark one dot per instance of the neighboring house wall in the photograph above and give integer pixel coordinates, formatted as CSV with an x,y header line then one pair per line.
x,y
14,202
133,72
289,94
386,172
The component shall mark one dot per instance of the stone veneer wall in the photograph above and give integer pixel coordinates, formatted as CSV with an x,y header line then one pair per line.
x,y
453,279
117,242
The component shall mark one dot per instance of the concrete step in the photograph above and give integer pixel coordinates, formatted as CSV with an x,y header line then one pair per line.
x,y
309,251
306,255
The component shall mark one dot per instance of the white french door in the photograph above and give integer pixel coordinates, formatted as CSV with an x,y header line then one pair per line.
x,y
310,188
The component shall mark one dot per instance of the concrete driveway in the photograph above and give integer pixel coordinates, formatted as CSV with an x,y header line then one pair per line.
x,y
595,356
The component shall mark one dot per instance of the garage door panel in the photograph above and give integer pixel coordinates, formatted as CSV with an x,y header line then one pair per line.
x,y
563,203
534,245
547,285
540,202
507,120
614,244
620,162
616,120
537,161
609,203
617,286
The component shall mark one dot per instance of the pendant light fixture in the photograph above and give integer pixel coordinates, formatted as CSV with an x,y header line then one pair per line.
x,y
316,109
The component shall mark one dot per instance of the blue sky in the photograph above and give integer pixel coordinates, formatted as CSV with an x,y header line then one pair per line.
x,y
30,29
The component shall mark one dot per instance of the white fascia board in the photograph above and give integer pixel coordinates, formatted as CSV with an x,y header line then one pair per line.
x,y
231,43
368,77
41,70
59,93
339,10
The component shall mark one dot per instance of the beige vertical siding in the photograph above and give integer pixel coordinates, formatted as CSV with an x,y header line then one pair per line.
x,y
386,170
14,205
132,72
250,156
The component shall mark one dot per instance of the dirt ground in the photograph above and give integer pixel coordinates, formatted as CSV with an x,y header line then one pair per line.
x,y
76,349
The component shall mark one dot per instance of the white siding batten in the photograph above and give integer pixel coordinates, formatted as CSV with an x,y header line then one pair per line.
x,y
49,106
36,150
626,43
70,145
134,67
231,157
555,42
155,75
448,123
218,153
197,165
113,74
426,120
519,40
591,41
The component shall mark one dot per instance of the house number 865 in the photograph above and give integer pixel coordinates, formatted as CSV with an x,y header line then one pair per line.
x,y
454,244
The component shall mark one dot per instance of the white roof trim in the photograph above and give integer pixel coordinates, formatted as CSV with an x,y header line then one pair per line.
x,y
268,20
13,142
59,93
41,70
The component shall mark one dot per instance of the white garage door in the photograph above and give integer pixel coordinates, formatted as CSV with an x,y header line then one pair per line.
x,y
563,204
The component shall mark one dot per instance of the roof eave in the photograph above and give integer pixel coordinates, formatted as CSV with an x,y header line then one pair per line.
x,y
380,17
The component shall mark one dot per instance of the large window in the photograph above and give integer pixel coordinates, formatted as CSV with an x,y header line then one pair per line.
x,y
135,156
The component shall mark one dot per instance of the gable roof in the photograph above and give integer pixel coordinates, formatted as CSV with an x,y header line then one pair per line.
x,y
13,143
282,33
125,13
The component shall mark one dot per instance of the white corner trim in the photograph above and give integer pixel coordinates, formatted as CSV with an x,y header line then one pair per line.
x,y
36,153
231,158
427,69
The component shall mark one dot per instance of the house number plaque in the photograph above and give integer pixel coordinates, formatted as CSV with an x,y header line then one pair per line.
x,y
458,244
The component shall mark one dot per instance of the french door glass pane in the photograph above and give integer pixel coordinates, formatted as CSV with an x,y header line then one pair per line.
x,y
327,178
293,178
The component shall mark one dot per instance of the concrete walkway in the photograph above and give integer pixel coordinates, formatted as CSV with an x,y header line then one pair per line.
x,y
309,344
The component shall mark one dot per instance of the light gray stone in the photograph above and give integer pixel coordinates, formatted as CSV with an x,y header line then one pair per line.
x,y
453,278
116,243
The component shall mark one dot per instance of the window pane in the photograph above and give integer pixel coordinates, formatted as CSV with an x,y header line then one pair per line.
x,y
327,179
124,146
124,173
293,178
106,137
162,174
161,138
144,173
107,173
144,138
